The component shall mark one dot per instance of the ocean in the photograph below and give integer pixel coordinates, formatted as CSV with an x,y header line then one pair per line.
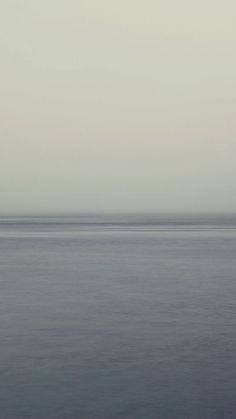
x,y
118,317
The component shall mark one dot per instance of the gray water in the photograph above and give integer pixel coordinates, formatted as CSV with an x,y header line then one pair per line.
x,y
118,317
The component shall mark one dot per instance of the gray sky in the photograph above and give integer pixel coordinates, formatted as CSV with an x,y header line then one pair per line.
x,y
117,105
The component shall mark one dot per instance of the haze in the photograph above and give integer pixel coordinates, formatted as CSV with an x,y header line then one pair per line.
x,y
117,105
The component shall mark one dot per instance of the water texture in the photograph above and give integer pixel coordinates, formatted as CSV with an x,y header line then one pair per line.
x,y
118,317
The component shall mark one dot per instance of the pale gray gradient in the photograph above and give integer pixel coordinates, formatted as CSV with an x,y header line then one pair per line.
x,y
117,105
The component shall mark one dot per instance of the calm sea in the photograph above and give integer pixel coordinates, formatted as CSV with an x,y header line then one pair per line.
x,y
118,317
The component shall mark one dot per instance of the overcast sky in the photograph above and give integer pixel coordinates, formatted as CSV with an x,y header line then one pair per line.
x,y
117,105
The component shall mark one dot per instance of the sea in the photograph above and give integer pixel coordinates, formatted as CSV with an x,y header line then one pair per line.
x,y
118,316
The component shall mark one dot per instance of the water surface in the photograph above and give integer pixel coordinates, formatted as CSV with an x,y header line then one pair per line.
x,y
118,317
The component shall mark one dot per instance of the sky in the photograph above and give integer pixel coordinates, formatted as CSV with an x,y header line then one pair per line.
x,y
117,106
